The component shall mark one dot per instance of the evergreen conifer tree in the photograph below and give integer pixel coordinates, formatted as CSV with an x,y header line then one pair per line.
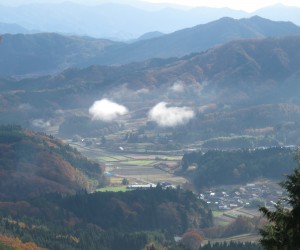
x,y
283,230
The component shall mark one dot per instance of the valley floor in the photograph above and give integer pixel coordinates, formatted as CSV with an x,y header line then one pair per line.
x,y
227,202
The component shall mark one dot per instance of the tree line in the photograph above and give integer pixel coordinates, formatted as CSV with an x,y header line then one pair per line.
x,y
218,167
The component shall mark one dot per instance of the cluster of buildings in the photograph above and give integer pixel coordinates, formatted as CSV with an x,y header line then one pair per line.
x,y
251,195
164,185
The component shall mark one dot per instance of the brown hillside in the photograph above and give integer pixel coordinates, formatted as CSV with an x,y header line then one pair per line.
x,y
15,243
32,164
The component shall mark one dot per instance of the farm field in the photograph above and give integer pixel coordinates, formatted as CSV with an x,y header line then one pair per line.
x,y
113,189
234,213
137,168
228,216
225,218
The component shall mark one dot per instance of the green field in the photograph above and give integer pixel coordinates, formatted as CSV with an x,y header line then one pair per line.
x,y
111,158
140,167
222,223
137,162
169,158
217,213
112,189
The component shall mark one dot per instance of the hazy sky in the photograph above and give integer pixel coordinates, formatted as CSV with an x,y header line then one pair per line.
x,y
246,5
250,5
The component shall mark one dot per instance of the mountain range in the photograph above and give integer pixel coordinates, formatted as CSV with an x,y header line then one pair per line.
x,y
49,52
245,86
197,39
110,20
241,63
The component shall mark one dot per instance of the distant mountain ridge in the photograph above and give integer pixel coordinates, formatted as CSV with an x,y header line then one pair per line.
x,y
11,28
280,12
150,35
111,20
45,53
117,20
198,38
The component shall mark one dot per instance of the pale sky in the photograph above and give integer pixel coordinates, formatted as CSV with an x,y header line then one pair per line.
x,y
247,5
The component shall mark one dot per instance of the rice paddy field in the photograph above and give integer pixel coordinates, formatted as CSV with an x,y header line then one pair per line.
x,y
137,167
113,189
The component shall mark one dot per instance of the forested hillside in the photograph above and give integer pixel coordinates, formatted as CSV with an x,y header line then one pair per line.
x,y
32,164
108,220
172,210
258,70
240,166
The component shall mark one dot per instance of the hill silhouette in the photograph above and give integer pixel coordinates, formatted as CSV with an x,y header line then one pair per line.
x,y
11,28
47,52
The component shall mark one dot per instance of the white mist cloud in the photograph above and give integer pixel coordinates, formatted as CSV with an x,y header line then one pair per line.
x,y
25,107
170,116
40,123
178,87
107,110
209,106
142,91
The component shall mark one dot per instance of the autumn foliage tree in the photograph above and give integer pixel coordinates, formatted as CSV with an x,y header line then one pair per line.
x,y
192,239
